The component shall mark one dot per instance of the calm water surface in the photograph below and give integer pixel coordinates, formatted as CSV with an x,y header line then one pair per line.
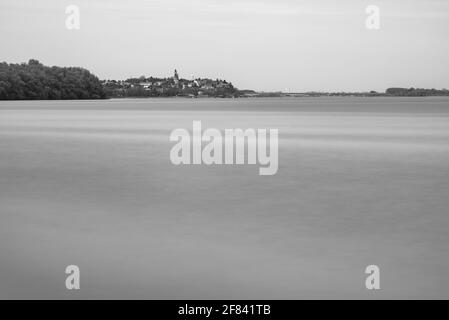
x,y
360,182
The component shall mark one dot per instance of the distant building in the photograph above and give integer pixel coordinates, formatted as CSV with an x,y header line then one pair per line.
x,y
176,77
146,85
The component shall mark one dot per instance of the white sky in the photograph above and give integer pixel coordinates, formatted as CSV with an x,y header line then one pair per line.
x,y
257,44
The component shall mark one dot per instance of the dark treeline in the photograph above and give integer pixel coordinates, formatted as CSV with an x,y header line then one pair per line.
x,y
416,92
34,81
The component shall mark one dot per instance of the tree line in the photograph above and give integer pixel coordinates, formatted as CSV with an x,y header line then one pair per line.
x,y
34,81
416,92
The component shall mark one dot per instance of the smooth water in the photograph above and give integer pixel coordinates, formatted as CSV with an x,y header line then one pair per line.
x,y
361,181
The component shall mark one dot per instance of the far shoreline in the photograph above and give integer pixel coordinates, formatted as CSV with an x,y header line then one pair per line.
x,y
183,98
229,98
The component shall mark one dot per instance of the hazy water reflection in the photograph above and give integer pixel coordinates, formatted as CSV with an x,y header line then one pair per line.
x,y
360,181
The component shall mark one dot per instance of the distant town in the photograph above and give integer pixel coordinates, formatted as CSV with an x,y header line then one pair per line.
x,y
169,87
203,87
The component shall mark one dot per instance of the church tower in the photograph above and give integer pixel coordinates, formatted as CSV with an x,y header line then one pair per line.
x,y
176,77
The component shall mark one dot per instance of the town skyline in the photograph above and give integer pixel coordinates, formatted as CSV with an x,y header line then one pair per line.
x,y
169,86
205,84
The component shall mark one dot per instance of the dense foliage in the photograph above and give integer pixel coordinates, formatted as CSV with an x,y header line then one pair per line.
x,y
34,81
416,92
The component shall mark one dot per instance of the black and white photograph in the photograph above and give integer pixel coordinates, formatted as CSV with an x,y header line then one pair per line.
x,y
222,150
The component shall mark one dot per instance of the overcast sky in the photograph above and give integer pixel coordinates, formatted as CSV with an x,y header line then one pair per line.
x,y
257,44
